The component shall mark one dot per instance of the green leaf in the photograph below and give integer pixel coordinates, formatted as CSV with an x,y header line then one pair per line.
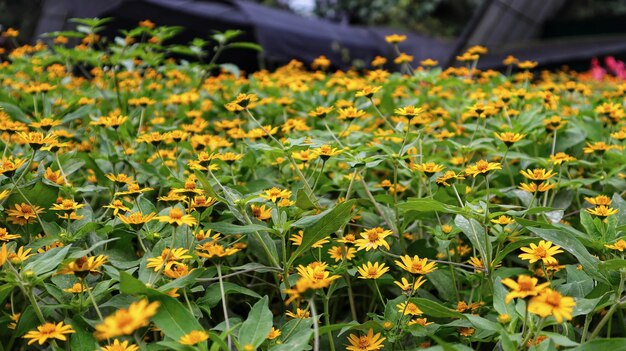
x,y
212,296
476,234
297,341
229,228
245,45
617,344
428,205
435,309
303,201
510,248
330,223
499,295
82,340
171,317
48,261
578,285
255,328
571,244
612,265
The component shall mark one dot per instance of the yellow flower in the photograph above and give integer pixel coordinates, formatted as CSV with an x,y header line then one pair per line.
x,y
415,265
136,219
326,151
509,138
552,303
429,168
82,266
527,65
602,211
167,258
320,111
503,220
297,240
537,175
193,337
15,317
126,321
561,157
117,206
351,113
369,342
395,38
504,318
120,179
339,253
482,167
5,236
67,205
600,200
372,239
368,91
274,194
273,334
403,58
24,213
261,212
36,140
77,288
312,277
408,111
419,321
177,217
406,286
300,314
409,308
467,331
524,287
211,249
544,252
120,346
429,63
533,187
8,166
16,258
619,245
372,271
448,178
54,176
4,254
229,157
48,331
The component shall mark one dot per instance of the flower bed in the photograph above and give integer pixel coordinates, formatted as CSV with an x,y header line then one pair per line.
x,y
151,203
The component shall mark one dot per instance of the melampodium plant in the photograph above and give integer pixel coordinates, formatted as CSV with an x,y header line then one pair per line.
x,y
153,203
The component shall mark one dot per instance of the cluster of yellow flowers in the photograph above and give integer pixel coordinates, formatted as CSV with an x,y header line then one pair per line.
x,y
398,201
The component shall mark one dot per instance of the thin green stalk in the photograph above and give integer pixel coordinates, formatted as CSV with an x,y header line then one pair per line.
x,y
224,302
327,321
307,186
316,327
380,296
612,310
381,115
388,221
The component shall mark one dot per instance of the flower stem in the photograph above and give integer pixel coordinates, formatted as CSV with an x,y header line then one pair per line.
x,y
224,302
316,327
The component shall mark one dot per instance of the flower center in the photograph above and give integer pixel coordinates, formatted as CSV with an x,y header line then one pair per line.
x,y
364,342
48,328
540,252
176,213
554,299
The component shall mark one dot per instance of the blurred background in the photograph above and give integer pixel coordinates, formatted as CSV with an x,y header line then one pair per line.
x,y
351,32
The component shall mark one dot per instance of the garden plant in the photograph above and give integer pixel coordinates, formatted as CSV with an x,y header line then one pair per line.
x,y
153,198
